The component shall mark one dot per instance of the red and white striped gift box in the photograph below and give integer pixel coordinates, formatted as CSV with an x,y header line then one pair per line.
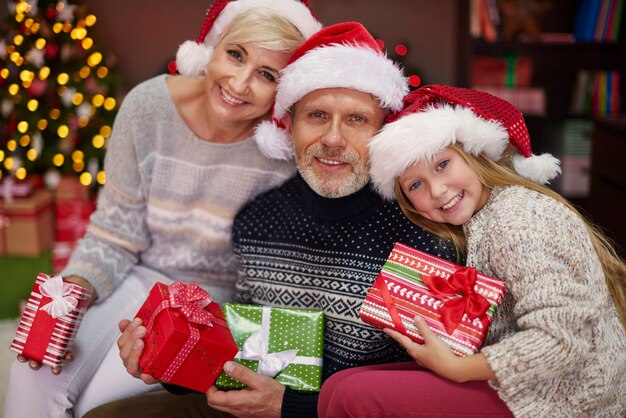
x,y
456,302
50,320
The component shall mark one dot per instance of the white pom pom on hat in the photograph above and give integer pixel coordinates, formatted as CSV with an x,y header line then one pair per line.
x,y
344,55
436,116
192,57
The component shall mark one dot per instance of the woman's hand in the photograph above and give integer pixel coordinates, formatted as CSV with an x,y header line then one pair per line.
x,y
35,365
131,346
82,283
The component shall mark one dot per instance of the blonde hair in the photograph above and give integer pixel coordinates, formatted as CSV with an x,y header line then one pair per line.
x,y
500,173
263,29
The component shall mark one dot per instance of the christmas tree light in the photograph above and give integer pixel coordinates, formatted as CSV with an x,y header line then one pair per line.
x,y
58,93
401,53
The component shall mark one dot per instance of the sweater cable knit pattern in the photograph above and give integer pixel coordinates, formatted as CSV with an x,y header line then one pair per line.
x,y
556,343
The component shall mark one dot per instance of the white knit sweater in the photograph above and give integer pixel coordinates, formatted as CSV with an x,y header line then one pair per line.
x,y
556,344
170,198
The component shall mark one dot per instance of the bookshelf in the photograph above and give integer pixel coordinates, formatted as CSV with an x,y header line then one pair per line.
x,y
557,60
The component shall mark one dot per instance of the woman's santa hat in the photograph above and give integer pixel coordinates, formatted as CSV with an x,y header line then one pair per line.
x,y
344,55
436,116
193,56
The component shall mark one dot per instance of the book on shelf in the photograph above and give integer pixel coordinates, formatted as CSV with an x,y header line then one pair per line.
x,y
597,93
509,70
549,38
484,20
598,20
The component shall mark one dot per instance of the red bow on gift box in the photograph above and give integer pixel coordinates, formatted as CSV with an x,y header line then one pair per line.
x,y
191,300
469,302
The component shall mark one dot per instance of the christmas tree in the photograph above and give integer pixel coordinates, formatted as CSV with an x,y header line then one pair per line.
x,y
58,93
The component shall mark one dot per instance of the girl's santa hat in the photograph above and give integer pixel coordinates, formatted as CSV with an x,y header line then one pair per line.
x,y
344,55
193,56
436,116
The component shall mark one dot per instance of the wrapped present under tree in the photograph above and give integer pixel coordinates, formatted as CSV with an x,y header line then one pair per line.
x,y
26,224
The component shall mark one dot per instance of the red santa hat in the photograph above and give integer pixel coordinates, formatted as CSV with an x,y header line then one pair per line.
x,y
193,56
344,55
436,116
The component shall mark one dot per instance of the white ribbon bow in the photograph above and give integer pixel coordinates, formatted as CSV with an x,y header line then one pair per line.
x,y
60,292
270,364
256,348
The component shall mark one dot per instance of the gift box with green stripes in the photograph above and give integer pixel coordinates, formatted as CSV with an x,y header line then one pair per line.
x,y
286,344
456,302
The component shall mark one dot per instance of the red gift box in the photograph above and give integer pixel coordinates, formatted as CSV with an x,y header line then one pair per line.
x,y
72,219
456,302
187,340
50,320
70,189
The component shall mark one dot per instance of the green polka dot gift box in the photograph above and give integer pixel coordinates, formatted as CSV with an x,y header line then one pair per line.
x,y
286,344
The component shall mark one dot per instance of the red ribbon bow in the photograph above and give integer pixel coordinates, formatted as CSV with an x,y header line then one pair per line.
x,y
471,303
191,300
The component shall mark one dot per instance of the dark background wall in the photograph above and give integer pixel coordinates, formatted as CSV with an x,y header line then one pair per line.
x,y
144,34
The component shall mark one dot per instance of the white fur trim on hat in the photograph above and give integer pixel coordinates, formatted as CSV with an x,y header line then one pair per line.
x,y
193,57
273,141
420,136
341,66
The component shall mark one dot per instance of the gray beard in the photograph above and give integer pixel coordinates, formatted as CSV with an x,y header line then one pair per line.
x,y
337,187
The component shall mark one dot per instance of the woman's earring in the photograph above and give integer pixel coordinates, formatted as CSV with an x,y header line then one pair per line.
x,y
203,72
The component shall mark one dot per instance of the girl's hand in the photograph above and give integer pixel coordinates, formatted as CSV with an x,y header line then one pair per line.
x,y
434,354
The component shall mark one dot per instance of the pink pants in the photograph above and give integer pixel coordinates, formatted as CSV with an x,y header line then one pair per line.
x,y
405,390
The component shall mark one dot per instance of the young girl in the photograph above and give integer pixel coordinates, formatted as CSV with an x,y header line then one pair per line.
x,y
459,163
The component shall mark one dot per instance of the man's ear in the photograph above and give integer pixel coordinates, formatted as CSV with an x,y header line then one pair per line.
x,y
288,122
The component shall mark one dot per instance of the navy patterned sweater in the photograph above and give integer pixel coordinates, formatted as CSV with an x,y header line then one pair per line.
x,y
297,249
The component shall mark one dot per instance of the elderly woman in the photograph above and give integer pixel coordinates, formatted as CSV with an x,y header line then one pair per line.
x,y
180,164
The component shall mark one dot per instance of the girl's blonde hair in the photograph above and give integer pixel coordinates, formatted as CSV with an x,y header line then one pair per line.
x,y
263,29
500,173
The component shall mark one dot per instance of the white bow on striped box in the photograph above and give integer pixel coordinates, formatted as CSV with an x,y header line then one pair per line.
x,y
50,320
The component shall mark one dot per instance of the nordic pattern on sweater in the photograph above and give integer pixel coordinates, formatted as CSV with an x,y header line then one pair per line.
x,y
170,197
297,249
556,343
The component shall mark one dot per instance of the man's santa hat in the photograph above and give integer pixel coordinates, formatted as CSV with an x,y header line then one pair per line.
x,y
193,56
344,55
436,116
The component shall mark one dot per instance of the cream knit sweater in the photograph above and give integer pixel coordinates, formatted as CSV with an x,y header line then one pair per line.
x,y
556,344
